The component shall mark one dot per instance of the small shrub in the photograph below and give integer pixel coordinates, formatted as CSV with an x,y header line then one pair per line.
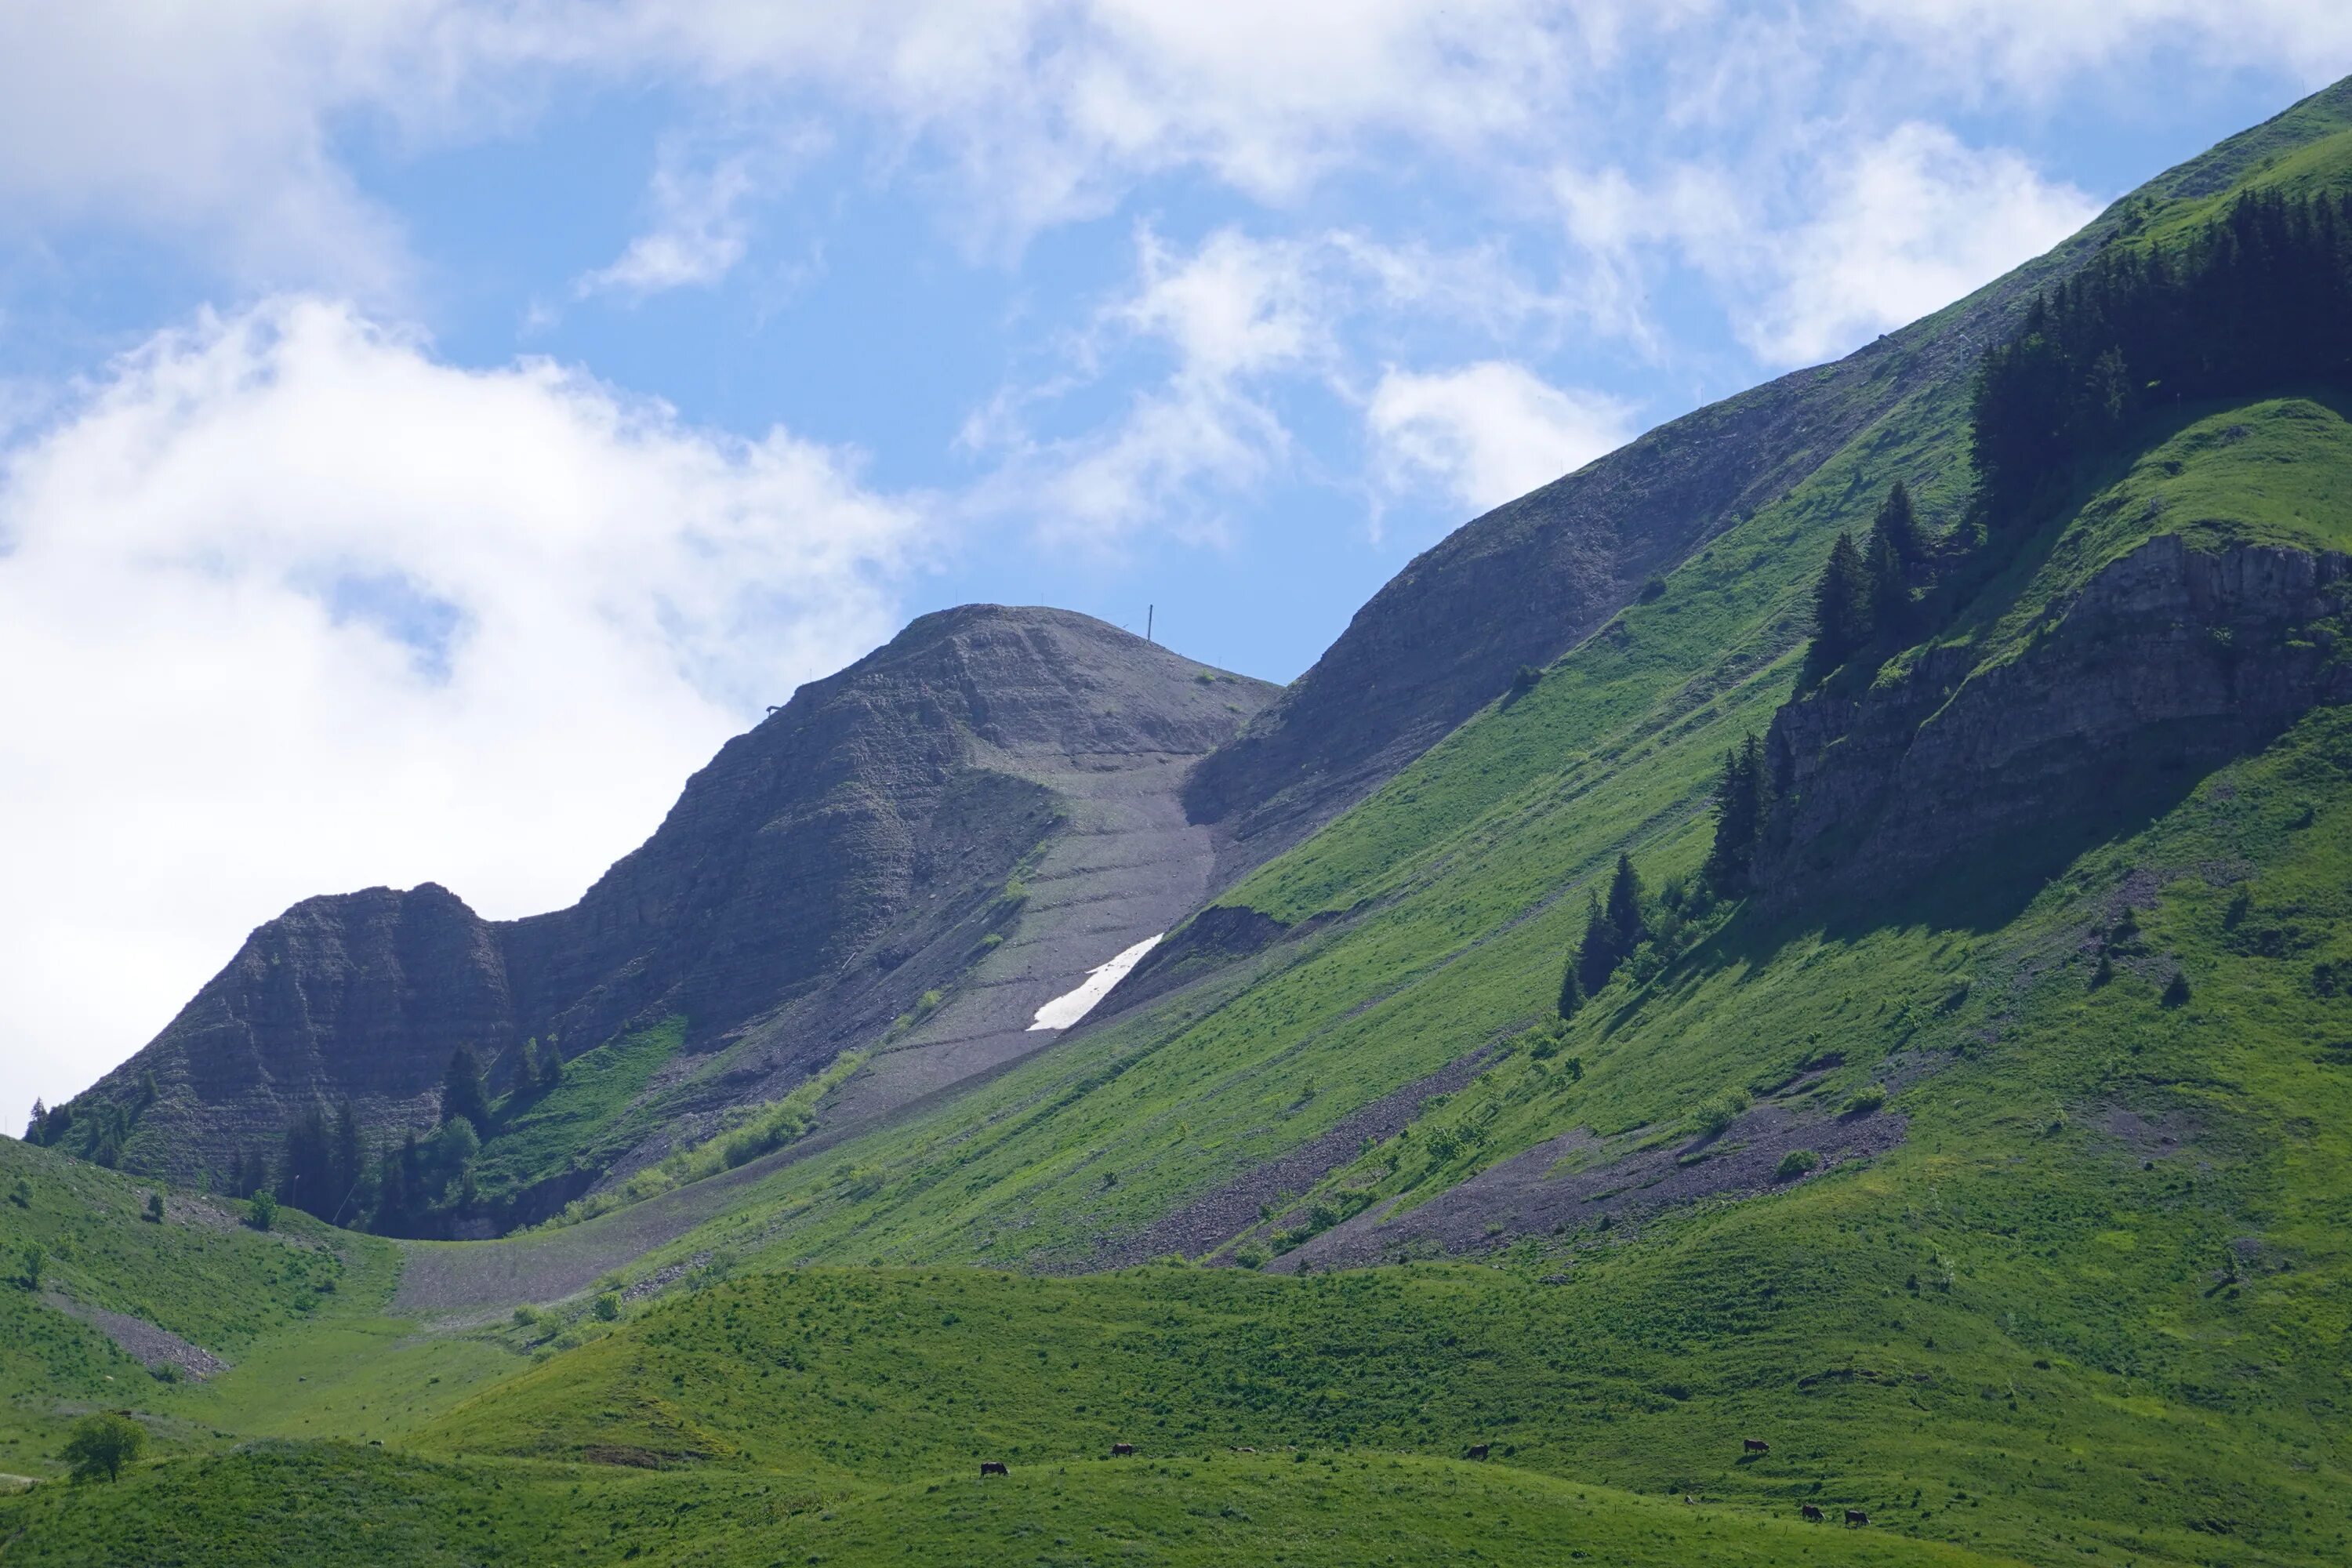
x,y
1250,1258
1528,679
1653,590
2176,990
1796,1162
102,1444
607,1308
1866,1100
154,1208
262,1212
35,1260
2104,973
21,1194
1716,1117
164,1372
524,1317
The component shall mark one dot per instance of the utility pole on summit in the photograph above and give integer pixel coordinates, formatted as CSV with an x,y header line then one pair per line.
x,y
1149,610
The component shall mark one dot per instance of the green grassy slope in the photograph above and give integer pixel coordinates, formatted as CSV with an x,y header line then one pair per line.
x,y
300,1504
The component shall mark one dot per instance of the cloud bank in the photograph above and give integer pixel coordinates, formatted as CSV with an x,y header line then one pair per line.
x,y
290,606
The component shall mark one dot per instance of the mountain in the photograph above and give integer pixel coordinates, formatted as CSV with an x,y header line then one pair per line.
x,y
947,834
1947,1164
1534,577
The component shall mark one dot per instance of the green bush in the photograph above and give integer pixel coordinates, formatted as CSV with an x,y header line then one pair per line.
x,y
102,1444
35,1258
607,1308
1796,1162
21,1194
1716,1117
262,1213
1866,1100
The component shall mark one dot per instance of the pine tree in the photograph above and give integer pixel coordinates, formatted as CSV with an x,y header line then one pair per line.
x,y
1888,588
1898,524
1840,606
551,1065
1571,989
349,1161
306,1174
1597,956
391,1213
1626,916
462,1093
1738,820
37,1129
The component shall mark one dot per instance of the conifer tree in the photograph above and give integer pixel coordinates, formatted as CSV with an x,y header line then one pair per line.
x,y
391,1214
462,1093
1597,955
36,1129
1626,917
551,1065
1738,820
350,1163
1888,591
1571,989
1840,606
1898,522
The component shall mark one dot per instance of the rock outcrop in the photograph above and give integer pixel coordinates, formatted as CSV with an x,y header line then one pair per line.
x,y
852,861
2170,660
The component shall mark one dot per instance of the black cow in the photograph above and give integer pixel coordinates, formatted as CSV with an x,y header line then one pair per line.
x,y
1755,1445
993,1468
1121,1450
1809,1513
1477,1450
1854,1516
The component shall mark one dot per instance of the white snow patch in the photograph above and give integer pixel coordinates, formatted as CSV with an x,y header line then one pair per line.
x,y
1070,1006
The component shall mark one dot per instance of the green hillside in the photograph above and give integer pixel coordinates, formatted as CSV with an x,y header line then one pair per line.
x,y
2003,1202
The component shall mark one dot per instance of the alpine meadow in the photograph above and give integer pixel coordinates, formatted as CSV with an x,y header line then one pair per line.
x,y
1784,998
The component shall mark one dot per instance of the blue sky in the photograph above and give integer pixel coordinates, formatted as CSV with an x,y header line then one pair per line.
x,y
428,428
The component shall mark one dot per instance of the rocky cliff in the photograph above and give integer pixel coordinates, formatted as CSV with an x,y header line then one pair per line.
x,y
2169,660
848,863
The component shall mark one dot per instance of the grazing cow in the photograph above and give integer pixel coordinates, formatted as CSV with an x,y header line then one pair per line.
x,y
993,1468
1810,1514
1854,1516
1754,1446
1121,1450
1477,1450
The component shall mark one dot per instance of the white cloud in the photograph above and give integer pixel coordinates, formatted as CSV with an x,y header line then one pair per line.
x,y
209,122
290,606
1487,433
698,235
2035,44
1905,227
1248,324
224,124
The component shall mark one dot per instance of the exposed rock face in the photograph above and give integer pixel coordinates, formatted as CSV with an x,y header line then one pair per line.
x,y
823,873
2170,659
1531,579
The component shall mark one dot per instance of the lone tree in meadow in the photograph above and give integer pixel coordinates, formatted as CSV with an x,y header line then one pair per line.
x,y
101,1444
